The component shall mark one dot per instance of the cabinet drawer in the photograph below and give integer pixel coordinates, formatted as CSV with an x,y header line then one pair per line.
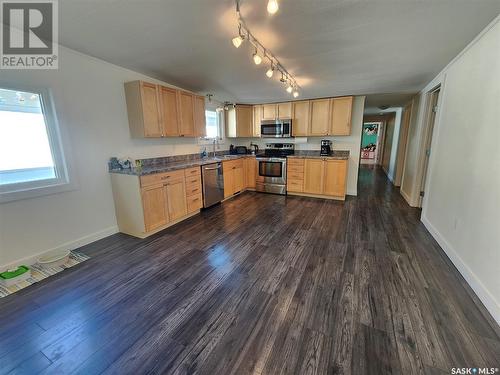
x,y
193,190
194,203
295,176
161,178
295,185
191,172
295,168
295,161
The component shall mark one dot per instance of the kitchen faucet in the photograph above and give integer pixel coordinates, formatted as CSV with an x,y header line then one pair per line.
x,y
216,141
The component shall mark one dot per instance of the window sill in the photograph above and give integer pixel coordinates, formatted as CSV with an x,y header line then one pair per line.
x,y
36,191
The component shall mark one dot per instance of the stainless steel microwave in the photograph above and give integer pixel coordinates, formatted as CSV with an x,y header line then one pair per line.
x,y
276,128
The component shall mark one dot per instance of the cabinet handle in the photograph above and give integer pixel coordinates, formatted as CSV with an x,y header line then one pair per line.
x,y
165,177
194,200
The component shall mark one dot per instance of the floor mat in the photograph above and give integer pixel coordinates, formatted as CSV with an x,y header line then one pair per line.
x,y
39,273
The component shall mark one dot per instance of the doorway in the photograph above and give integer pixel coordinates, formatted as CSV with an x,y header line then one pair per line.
x,y
431,120
370,143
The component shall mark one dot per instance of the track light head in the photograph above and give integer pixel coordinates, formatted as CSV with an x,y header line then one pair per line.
x,y
237,41
295,93
256,58
289,89
272,6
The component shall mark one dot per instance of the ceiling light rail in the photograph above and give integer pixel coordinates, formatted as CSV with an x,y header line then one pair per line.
x,y
261,54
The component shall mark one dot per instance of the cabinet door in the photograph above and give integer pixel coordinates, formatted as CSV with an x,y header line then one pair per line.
x,y
313,176
186,109
301,118
285,110
154,207
150,110
176,199
251,168
269,112
257,117
239,177
341,116
228,174
199,116
244,121
320,117
169,111
335,177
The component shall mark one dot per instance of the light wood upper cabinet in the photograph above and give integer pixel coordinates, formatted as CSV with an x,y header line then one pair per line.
x,y
334,181
186,112
176,199
239,121
244,120
169,109
313,176
269,111
199,116
301,118
143,109
320,117
257,117
341,116
284,110
154,207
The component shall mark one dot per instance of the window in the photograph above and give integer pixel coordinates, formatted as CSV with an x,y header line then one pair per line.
x,y
212,123
30,152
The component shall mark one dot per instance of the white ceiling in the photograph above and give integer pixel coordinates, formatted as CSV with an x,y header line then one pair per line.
x,y
333,47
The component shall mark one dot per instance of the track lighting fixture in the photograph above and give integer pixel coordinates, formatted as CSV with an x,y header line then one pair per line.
x,y
244,34
272,6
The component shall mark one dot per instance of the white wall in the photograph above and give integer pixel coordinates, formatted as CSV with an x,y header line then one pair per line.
x,y
462,203
90,105
351,143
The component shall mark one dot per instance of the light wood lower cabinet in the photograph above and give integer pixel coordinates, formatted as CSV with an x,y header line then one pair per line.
x,y
313,176
176,199
147,204
250,172
234,177
317,177
334,179
154,206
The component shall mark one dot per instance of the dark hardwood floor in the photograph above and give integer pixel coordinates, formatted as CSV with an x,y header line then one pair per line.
x,y
262,284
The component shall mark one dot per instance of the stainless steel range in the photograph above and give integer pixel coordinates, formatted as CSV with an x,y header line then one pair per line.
x,y
272,168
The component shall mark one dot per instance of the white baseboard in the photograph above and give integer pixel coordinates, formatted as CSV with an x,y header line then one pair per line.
x,y
72,245
474,282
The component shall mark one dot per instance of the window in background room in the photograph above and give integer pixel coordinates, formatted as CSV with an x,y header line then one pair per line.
x,y
212,123
30,153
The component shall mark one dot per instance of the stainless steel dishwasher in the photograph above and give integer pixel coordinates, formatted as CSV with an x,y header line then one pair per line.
x,y
213,184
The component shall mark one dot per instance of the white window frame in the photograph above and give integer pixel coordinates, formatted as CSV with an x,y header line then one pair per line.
x,y
62,182
213,107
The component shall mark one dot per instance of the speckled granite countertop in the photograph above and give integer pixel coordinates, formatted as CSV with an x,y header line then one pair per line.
x,y
336,154
173,166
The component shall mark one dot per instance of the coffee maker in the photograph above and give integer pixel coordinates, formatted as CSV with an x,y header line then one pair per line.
x,y
326,147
